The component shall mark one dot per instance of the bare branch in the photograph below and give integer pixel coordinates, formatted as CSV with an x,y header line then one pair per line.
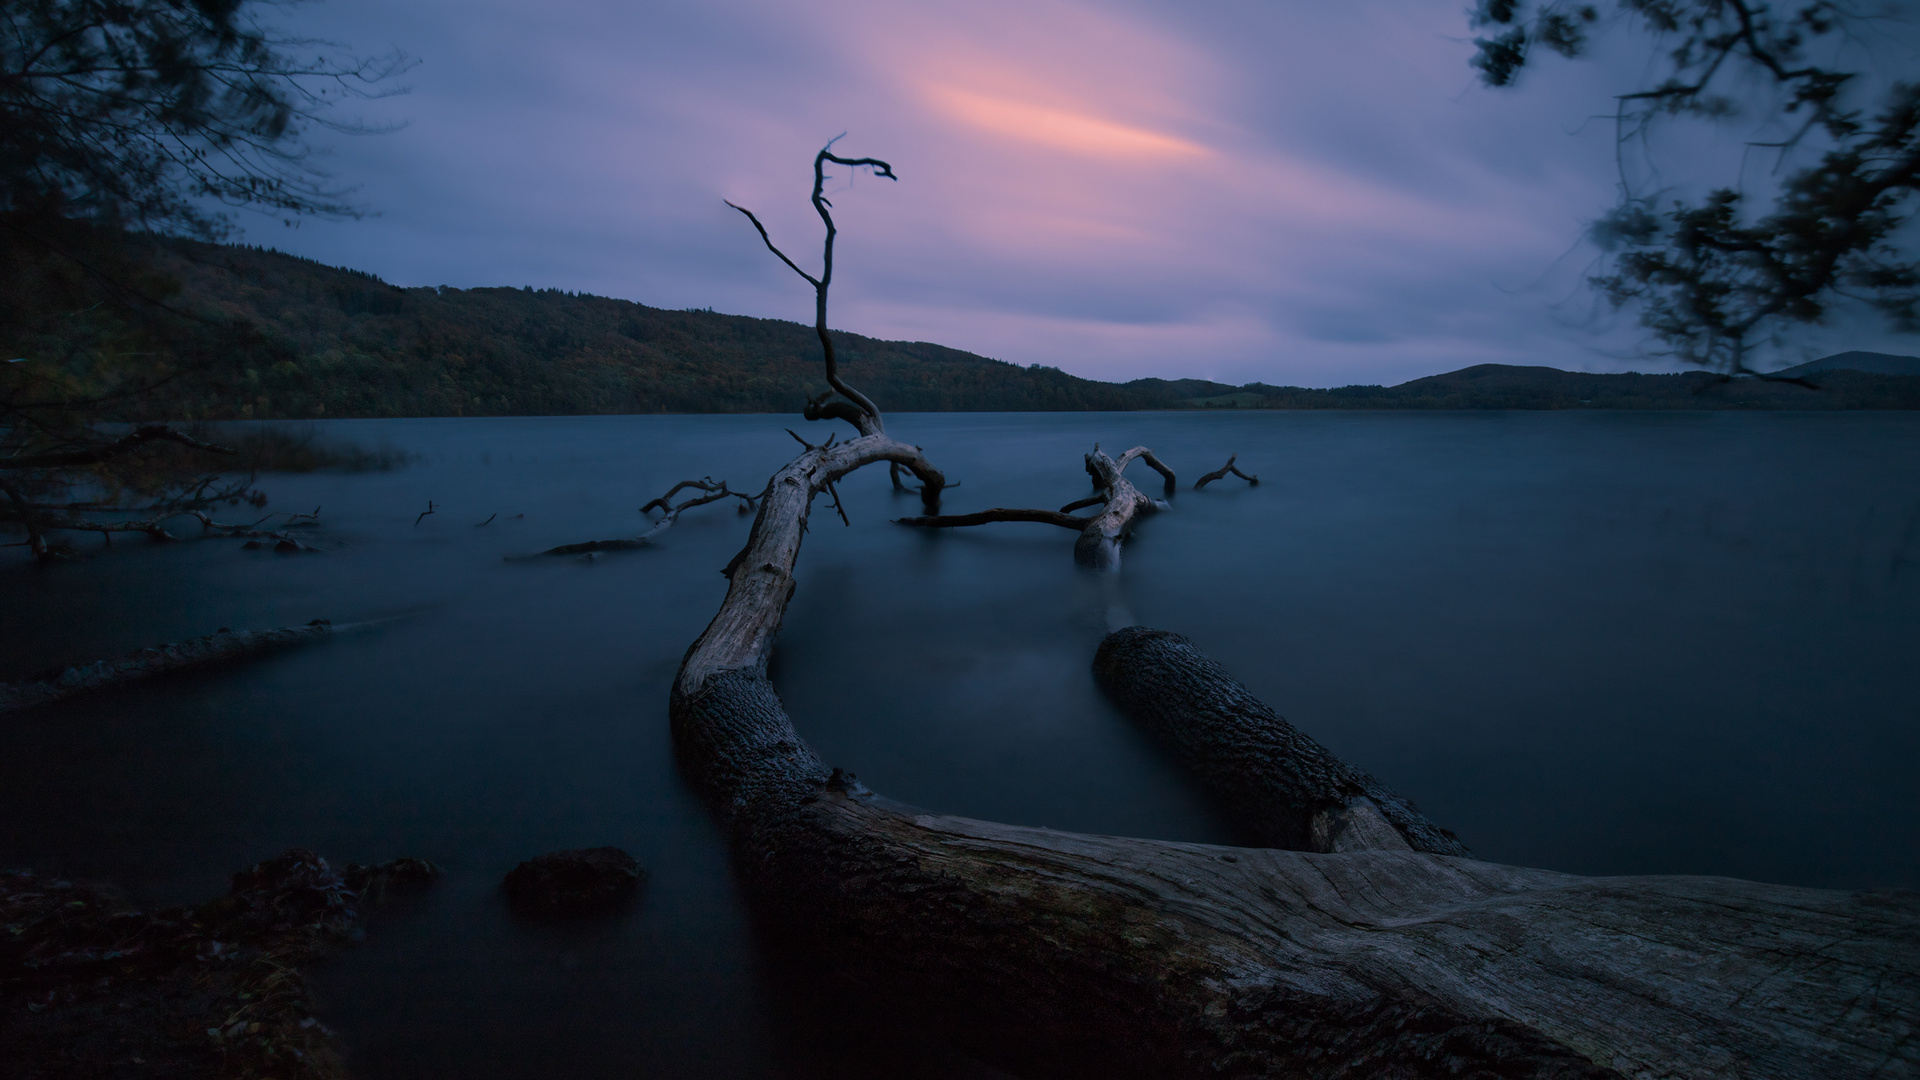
x,y
989,517
1221,474
811,280
715,490
139,436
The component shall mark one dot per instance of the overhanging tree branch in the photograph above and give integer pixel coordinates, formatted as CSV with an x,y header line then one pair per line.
x,y
1710,278
94,455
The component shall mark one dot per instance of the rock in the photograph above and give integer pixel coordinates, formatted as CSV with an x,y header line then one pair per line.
x,y
401,875
578,882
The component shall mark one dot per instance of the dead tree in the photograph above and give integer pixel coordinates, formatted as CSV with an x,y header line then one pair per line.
x,y
1374,956
222,647
1101,534
855,408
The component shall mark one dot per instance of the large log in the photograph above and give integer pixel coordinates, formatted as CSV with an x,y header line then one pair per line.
x,y
1284,789
1075,955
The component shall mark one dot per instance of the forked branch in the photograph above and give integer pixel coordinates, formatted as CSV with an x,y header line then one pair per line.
x,y
858,409
716,490
712,491
1221,474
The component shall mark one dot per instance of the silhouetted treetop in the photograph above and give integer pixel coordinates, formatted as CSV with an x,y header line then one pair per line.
x,y
152,114
1715,276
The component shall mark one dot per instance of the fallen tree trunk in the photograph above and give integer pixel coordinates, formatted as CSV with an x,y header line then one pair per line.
x,y
200,652
1281,787
1079,955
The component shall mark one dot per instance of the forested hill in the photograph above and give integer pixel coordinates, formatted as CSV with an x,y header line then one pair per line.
x,y
330,342
344,343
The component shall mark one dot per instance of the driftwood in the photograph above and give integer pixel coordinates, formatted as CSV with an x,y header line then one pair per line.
x,y
714,491
1100,956
1373,956
214,648
1100,534
1221,474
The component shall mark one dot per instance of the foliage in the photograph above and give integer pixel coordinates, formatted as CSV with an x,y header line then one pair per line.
x,y
1709,278
321,342
153,115
141,113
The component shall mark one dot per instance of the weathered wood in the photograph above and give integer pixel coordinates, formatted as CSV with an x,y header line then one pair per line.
x,y
215,648
760,577
1282,788
1074,955
1099,543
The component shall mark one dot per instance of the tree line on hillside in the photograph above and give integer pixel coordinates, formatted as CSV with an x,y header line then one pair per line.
x,y
281,337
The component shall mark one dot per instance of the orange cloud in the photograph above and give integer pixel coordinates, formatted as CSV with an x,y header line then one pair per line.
x,y
1060,129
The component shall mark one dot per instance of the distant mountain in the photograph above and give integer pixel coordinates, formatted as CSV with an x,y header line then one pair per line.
x,y
1877,363
1505,386
330,342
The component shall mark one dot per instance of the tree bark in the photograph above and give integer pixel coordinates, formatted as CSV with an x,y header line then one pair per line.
x,y
1284,789
146,663
1076,955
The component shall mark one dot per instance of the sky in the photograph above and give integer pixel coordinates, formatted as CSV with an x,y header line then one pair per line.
x,y
1281,191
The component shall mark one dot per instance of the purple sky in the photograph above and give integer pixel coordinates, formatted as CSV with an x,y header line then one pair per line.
x,y
1274,190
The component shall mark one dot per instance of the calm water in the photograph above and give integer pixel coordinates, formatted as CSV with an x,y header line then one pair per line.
x,y
1603,643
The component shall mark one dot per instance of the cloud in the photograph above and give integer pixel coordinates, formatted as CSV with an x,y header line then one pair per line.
x,y
1248,189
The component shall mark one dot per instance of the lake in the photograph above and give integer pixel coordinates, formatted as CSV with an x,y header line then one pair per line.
x,y
1597,642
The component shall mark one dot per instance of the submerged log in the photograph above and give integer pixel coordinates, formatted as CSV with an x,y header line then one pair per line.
x,y
1077,955
215,648
1283,789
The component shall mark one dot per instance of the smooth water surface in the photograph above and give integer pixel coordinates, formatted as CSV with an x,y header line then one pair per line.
x,y
1598,642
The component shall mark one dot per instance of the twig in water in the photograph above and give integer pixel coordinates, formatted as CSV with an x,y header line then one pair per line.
x,y
1221,474
430,509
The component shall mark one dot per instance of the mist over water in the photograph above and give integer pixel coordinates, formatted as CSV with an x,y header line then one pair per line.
x,y
1605,643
